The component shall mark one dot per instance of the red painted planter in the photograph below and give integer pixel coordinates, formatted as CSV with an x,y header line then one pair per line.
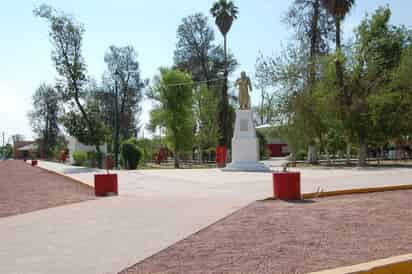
x,y
221,156
286,185
105,184
34,162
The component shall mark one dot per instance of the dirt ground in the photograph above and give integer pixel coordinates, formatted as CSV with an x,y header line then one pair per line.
x,y
24,189
294,237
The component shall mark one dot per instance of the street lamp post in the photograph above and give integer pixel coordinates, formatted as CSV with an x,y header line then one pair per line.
x,y
116,122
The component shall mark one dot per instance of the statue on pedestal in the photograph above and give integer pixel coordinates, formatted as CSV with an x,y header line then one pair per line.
x,y
244,85
245,145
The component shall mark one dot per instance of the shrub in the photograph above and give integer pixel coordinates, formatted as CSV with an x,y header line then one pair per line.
x,y
79,157
301,155
131,153
95,159
6,152
263,152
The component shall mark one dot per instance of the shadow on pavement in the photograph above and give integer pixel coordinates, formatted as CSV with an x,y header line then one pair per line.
x,y
309,201
76,170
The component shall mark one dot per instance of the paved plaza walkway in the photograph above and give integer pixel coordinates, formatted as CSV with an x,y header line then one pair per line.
x,y
155,209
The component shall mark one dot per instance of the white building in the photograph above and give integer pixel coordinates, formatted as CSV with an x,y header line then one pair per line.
x,y
74,145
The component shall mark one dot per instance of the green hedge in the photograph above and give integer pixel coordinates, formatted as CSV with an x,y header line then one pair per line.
x,y
301,155
131,153
79,157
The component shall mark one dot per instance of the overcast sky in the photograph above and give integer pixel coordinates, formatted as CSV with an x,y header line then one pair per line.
x,y
149,26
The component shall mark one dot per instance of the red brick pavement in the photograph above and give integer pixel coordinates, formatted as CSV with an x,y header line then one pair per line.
x,y
24,189
285,237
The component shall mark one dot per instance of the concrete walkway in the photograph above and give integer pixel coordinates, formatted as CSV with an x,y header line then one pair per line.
x,y
249,186
155,209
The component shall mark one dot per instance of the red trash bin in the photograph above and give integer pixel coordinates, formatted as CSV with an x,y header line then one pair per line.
x,y
221,156
34,162
286,186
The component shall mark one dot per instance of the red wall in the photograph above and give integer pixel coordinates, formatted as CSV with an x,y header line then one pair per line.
x,y
276,149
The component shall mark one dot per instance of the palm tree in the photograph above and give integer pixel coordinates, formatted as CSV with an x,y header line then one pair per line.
x,y
339,9
224,12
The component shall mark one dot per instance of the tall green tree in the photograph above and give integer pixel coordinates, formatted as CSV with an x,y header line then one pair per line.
x,y
197,53
123,68
287,73
375,64
75,125
205,112
44,118
174,110
66,36
224,12
313,31
339,9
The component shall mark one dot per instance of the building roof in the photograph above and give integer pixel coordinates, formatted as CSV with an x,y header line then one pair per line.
x,y
28,147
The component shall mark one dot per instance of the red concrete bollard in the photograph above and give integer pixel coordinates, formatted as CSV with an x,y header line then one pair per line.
x,y
34,162
105,184
286,186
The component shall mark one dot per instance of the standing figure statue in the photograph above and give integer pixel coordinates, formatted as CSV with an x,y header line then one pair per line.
x,y
244,85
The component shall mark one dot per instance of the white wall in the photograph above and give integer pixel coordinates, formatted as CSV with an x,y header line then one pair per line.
x,y
74,144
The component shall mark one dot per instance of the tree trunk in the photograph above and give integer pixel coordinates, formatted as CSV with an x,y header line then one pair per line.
x,y
314,50
205,71
314,43
338,32
327,155
99,159
293,158
200,154
224,104
84,114
312,156
380,156
88,122
46,135
262,103
338,64
363,153
176,159
348,152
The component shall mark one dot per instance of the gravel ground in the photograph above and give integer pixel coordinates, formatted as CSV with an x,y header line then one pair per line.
x,y
24,189
294,237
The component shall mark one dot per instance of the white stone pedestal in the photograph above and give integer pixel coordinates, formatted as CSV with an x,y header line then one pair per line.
x,y
245,145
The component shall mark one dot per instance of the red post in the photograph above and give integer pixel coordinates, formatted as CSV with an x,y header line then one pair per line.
x,y
63,156
286,185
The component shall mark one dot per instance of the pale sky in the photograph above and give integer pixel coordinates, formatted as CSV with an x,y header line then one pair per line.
x,y
149,26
